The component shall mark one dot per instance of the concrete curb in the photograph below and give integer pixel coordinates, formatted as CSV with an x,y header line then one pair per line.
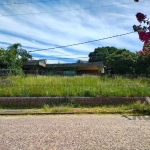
x,y
92,101
17,112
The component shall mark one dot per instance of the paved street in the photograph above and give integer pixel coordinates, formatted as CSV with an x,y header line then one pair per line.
x,y
74,132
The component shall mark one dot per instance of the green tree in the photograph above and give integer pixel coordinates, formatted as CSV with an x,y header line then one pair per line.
x,y
13,58
101,53
122,61
142,65
78,61
3,61
19,52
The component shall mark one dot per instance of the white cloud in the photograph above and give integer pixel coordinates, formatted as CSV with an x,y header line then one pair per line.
x,y
42,31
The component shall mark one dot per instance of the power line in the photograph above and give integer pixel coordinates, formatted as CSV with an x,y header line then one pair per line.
x,y
28,2
76,9
45,1
57,58
81,42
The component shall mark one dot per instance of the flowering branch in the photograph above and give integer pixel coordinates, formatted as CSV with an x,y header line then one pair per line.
x,y
143,32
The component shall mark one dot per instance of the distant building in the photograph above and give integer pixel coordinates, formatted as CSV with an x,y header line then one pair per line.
x,y
40,67
34,66
89,68
61,69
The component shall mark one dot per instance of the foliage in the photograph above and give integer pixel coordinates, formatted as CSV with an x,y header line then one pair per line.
x,y
143,32
13,58
122,61
142,65
79,61
136,108
3,59
101,53
19,52
133,108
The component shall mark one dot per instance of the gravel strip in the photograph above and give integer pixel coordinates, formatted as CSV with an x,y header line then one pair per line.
x,y
74,132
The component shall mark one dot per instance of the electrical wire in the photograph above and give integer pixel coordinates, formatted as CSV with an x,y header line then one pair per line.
x,y
76,9
81,42
29,2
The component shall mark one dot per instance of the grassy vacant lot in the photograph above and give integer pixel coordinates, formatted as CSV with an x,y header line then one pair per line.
x,y
86,85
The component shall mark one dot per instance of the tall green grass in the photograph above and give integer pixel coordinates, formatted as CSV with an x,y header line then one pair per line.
x,y
133,108
85,85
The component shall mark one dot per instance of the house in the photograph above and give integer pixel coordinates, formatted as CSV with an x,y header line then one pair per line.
x,y
89,68
34,66
61,69
74,68
40,67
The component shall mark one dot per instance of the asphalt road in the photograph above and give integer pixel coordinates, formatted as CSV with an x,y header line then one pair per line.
x,y
74,132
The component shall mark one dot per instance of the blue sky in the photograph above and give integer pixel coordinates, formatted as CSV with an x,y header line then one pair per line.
x,y
46,24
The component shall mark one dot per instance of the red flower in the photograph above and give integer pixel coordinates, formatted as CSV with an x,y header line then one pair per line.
x,y
147,38
142,35
140,17
141,52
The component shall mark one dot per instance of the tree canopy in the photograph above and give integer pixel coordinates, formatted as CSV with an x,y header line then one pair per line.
x,y
13,57
142,65
121,61
101,53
